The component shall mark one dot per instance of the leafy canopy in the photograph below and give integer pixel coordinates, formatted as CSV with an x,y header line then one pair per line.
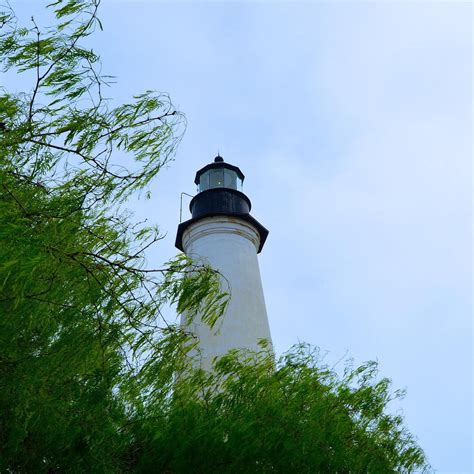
x,y
88,365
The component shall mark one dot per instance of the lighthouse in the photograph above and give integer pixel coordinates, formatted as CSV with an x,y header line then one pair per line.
x,y
223,234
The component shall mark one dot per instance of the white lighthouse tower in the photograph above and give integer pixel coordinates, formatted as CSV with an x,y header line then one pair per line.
x,y
223,234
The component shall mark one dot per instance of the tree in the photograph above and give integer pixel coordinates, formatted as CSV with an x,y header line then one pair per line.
x,y
80,312
87,363
254,415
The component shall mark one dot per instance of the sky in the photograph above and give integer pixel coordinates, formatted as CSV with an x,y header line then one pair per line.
x,y
352,122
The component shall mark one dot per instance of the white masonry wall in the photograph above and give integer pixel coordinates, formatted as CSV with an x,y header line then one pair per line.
x,y
229,245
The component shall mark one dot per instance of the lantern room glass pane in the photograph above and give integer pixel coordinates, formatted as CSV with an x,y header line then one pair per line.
x,y
204,182
217,178
230,179
239,183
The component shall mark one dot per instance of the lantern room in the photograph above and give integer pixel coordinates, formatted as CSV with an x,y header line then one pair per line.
x,y
219,175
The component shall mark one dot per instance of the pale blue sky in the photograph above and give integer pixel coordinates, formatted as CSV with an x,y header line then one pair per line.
x,y
352,124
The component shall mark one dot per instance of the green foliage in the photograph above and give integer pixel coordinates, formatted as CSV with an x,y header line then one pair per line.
x,y
254,415
193,290
65,121
92,378
81,333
